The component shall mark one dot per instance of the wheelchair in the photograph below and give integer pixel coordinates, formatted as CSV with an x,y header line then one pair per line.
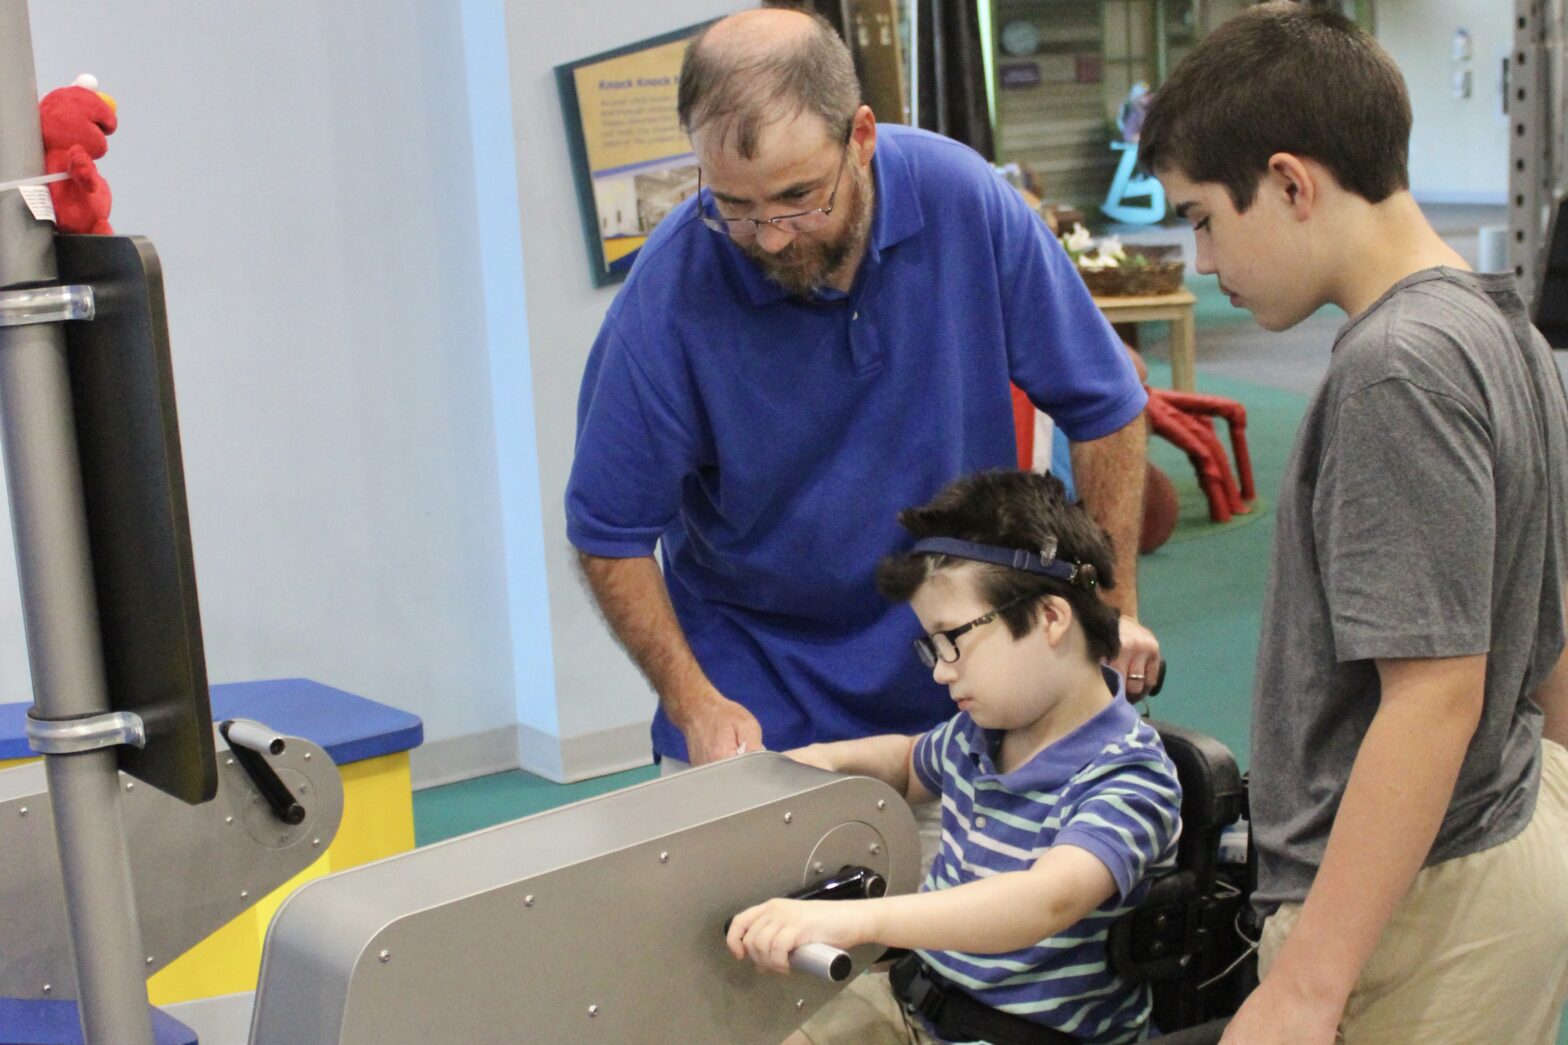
x,y
1191,938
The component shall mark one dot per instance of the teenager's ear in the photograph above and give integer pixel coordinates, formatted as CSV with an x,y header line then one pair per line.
x,y
1296,182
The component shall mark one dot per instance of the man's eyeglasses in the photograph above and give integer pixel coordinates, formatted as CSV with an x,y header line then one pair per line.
x,y
747,228
943,646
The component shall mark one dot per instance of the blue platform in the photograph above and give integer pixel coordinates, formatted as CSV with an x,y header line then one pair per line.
x,y
40,1022
350,728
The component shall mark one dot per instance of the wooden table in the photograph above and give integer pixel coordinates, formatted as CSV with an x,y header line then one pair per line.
x,y
1175,309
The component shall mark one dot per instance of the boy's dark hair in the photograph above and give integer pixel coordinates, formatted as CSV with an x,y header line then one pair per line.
x,y
1012,509
745,92
1282,77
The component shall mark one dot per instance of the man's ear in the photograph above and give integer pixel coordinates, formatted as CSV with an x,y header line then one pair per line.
x,y
1295,182
863,134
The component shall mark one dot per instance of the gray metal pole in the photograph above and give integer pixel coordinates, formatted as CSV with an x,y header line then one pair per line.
x,y
49,526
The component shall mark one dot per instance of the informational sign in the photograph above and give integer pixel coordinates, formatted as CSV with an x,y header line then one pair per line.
x,y
632,162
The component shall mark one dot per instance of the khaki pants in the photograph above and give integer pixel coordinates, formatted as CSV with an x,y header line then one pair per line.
x,y
1478,950
865,1013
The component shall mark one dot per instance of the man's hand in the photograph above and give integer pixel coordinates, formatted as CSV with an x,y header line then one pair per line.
x,y
1139,659
767,932
717,729
1278,1014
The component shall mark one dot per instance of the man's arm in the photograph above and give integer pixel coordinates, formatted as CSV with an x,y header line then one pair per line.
x,y
1400,787
888,758
988,916
636,604
1110,473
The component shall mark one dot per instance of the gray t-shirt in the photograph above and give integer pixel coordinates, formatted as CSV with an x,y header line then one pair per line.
x,y
1422,514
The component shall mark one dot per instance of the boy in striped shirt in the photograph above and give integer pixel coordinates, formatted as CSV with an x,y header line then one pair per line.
x,y
1058,801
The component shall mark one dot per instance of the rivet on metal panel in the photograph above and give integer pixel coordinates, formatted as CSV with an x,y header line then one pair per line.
x,y
244,894
528,901
48,988
664,858
24,810
385,957
230,761
876,850
149,959
800,1003
130,785
818,867
593,1010
315,841
307,756
789,818
881,803
228,820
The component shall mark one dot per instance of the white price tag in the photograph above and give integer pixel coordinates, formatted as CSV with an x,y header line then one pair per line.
x,y
38,201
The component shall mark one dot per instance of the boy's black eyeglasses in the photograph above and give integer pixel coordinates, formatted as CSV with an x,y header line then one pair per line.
x,y
943,645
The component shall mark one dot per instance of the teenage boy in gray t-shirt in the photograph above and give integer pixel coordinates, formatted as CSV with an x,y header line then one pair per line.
x,y
1411,824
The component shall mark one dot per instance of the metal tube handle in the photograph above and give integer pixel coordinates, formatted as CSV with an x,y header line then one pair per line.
x,y
819,959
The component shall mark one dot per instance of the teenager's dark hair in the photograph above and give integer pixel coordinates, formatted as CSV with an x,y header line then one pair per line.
x,y
1012,509
745,91
1282,78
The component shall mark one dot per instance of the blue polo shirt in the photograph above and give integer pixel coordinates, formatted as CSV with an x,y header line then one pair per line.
x,y
769,441
1107,787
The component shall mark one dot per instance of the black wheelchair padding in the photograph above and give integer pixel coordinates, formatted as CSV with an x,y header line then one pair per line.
x,y
1182,937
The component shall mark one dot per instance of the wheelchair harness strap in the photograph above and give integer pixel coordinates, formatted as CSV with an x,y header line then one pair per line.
x,y
955,1016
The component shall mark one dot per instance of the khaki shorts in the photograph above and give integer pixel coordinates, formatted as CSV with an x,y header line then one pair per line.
x,y
866,1013
1478,950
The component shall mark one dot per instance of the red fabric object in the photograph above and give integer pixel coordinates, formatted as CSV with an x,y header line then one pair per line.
x,y
76,123
1023,427
1183,419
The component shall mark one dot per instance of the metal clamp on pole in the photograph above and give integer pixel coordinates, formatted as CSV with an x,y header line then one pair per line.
x,y
46,305
72,736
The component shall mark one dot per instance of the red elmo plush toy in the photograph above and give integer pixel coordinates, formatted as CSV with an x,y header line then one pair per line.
x,y
76,123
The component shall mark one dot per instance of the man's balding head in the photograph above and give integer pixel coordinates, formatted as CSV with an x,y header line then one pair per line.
x,y
753,68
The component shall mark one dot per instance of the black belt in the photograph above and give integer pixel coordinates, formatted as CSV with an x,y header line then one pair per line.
x,y
956,1016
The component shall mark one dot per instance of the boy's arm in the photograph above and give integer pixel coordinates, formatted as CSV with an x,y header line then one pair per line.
x,y
887,758
993,915
1400,787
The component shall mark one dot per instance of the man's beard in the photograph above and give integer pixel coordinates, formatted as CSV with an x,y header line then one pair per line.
x,y
804,267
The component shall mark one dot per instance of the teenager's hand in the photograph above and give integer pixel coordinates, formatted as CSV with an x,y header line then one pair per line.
x,y
1139,660
1277,1014
718,729
767,932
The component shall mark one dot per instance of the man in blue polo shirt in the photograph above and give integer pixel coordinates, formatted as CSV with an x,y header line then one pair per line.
x,y
823,335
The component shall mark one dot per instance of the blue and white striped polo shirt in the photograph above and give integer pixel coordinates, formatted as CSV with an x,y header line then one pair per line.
x,y
1107,787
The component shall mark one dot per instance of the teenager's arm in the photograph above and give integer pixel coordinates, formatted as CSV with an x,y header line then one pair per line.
x,y
1400,786
1110,473
888,758
1552,697
989,916
636,605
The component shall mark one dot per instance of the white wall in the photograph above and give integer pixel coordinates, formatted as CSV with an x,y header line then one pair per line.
x,y
604,705
1458,147
380,310
306,173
